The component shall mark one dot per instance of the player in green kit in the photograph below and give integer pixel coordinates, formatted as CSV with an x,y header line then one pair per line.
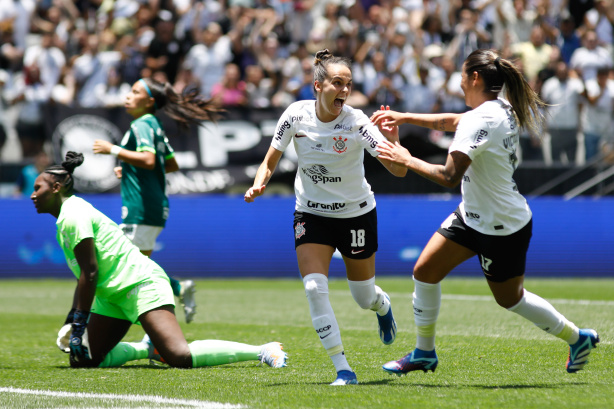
x,y
146,157
119,286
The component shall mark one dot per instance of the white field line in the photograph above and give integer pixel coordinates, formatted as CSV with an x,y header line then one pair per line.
x,y
159,400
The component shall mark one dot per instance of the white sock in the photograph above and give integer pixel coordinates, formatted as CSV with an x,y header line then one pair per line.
x,y
369,296
427,300
323,318
541,313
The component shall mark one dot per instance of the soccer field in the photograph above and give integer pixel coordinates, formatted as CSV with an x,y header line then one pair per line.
x,y
488,357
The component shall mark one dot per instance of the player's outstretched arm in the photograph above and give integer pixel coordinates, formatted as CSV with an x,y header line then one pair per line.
x,y
265,171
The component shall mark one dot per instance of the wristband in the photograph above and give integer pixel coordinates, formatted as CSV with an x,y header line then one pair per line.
x,y
81,317
71,316
115,150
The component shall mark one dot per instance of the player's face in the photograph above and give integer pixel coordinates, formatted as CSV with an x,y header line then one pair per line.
x,y
333,92
44,197
138,102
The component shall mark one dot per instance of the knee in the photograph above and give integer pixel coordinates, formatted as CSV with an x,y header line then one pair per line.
x,y
315,284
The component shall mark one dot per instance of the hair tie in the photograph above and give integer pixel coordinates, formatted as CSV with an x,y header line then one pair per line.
x,y
498,63
149,92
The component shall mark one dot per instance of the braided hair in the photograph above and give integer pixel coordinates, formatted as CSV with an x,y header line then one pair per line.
x,y
63,173
497,72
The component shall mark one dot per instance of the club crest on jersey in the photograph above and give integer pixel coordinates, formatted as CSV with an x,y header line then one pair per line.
x,y
339,145
299,230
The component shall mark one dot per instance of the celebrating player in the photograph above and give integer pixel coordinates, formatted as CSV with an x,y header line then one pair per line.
x,y
493,219
146,157
335,207
118,286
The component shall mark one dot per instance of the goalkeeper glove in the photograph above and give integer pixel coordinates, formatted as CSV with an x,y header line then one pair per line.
x,y
64,333
79,345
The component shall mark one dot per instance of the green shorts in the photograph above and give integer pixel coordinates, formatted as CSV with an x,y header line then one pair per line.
x,y
145,296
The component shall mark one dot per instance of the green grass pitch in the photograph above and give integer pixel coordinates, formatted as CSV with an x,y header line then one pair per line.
x,y
488,357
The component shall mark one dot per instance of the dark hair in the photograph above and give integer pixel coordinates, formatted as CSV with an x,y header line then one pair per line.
x,y
186,108
322,60
497,72
63,173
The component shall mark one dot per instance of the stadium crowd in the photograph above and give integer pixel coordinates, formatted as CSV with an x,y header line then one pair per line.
x,y
259,54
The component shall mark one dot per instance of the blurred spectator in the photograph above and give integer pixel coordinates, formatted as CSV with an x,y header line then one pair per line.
x,y
259,88
112,93
15,21
597,112
513,23
165,53
48,58
562,93
568,39
600,19
30,94
589,58
230,91
24,186
450,97
269,57
207,59
380,86
90,70
578,9
534,54
468,36
65,90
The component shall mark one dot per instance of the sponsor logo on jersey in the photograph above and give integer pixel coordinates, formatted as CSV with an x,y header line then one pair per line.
x,y
300,135
296,118
343,127
366,135
473,216
280,132
479,135
299,230
339,145
325,206
509,142
317,174
466,178
318,148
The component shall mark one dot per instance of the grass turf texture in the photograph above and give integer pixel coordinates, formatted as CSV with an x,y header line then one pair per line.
x,y
488,357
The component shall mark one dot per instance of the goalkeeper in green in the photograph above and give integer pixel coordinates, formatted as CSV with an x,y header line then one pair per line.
x,y
119,286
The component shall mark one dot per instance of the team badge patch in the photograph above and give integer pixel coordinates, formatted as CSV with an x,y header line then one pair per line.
x,y
299,230
339,145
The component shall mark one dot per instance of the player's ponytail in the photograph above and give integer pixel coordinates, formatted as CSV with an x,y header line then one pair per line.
x,y
63,173
186,108
497,72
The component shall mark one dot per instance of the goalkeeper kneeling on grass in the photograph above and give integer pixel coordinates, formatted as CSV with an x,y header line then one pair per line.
x,y
118,286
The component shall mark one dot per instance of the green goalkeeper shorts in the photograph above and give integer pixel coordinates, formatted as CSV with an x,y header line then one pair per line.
x,y
145,296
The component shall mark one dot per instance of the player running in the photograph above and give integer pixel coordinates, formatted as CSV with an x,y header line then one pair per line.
x,y
493,220
335,207
146,157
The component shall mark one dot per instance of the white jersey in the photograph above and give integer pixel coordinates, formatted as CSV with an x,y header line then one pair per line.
x,y
330,180
491,202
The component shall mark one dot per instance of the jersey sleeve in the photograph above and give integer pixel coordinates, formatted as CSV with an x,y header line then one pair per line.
x,y
370,135
472,135
283,131
143,133
76,227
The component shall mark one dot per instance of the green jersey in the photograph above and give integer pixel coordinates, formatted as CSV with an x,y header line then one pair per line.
x,y
121,265
144,199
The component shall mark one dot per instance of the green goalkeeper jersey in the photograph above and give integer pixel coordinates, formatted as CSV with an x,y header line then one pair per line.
x,y
120,263
144,199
